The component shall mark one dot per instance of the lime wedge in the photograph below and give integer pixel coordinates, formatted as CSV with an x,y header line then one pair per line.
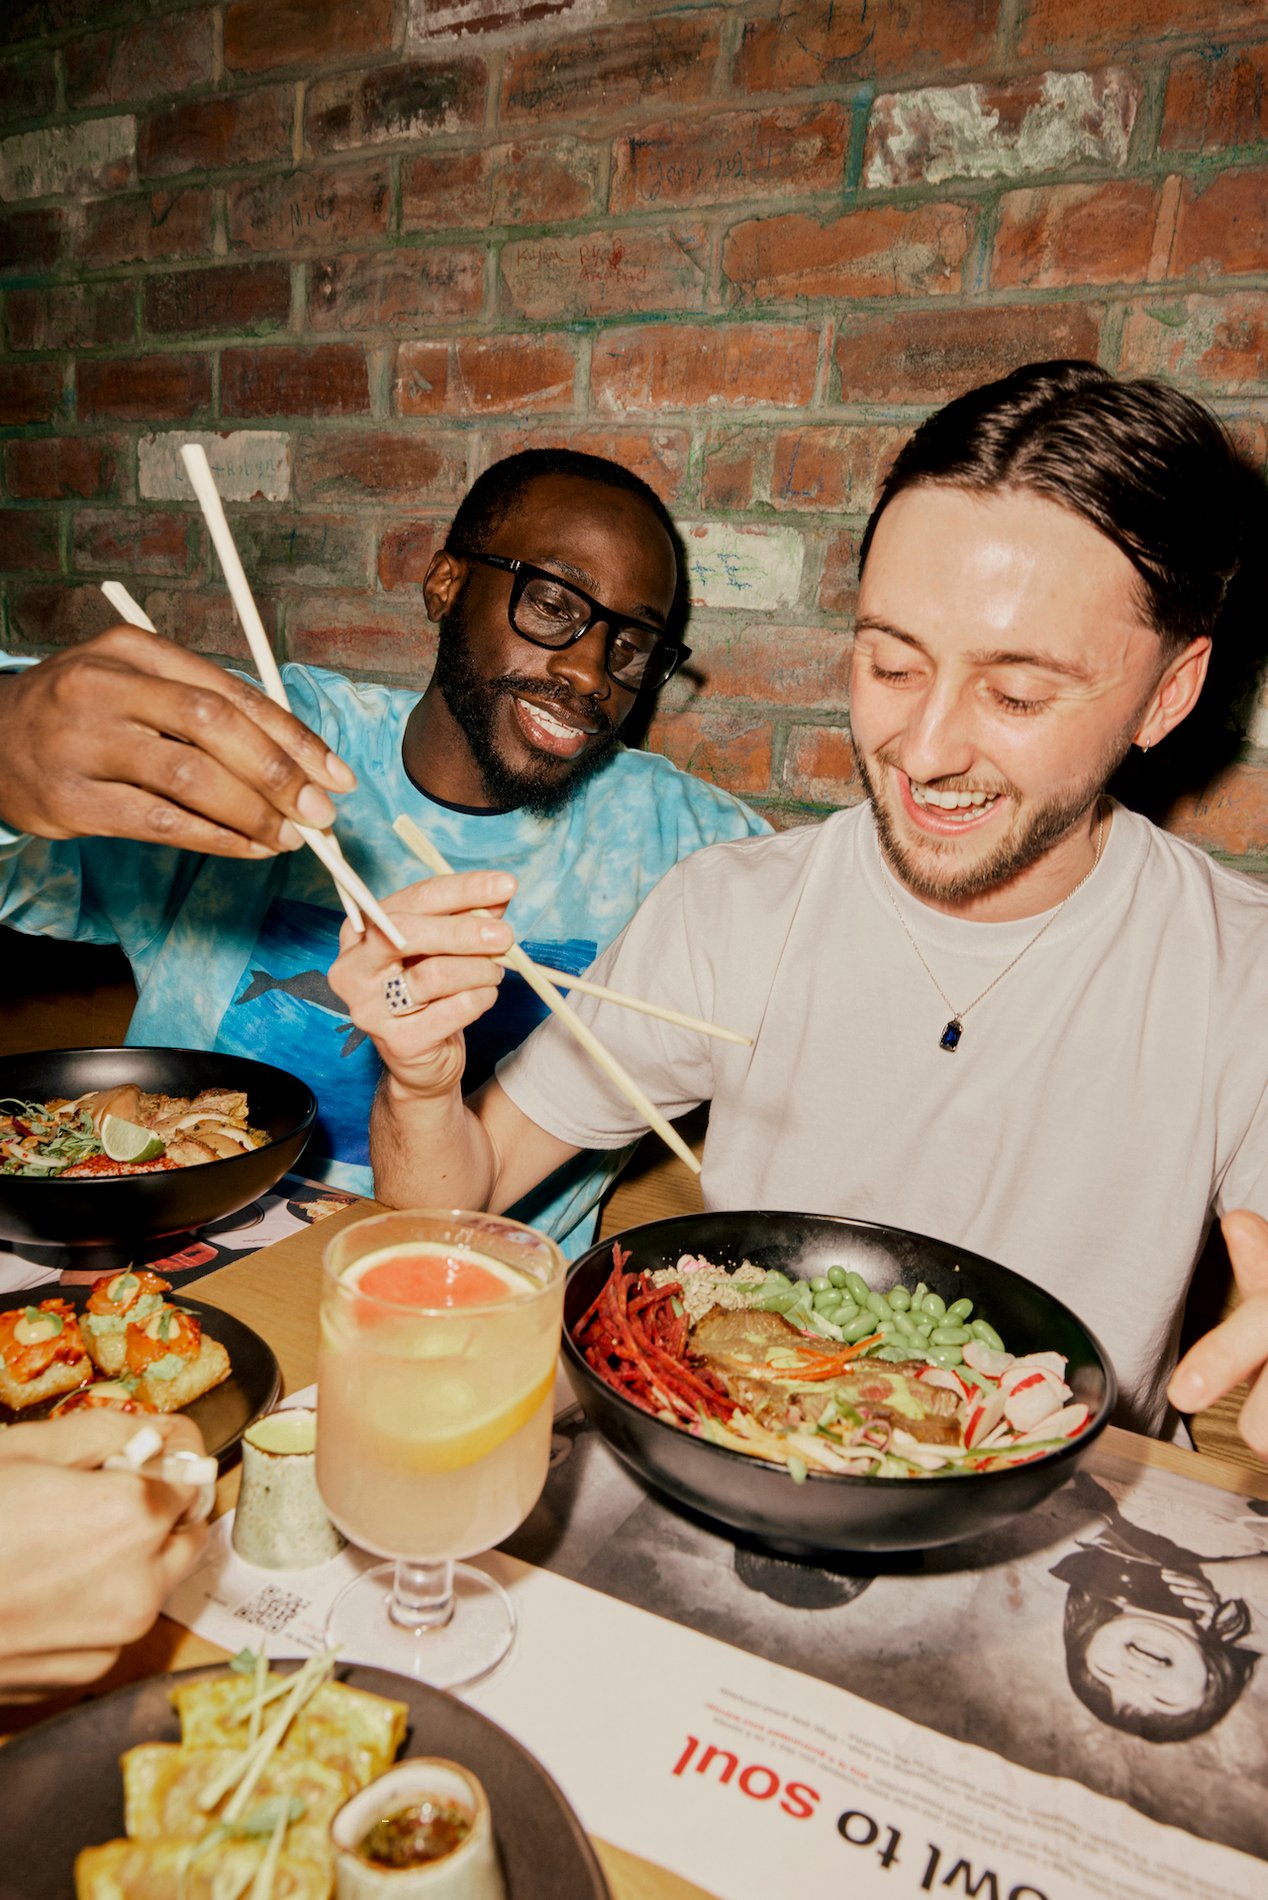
x,y
124,1141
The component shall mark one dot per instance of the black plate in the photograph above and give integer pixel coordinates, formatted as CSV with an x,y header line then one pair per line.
x,y
827,1512
61,1788
105,1219
221,1415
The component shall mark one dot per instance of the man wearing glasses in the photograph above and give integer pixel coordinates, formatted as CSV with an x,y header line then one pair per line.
x,y
555,600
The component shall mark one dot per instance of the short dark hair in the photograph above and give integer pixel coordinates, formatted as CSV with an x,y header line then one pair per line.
x,y
1153,470
1228,1670
501,487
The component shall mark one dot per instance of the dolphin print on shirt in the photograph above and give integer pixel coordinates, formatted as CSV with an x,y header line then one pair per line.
x,y
284,1006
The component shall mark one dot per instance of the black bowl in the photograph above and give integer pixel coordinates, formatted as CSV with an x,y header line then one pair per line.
x,y
827,1512
99,1222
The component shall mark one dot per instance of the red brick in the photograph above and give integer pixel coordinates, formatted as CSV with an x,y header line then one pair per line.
x,y
421,386
679,366
303,550
359,635
56,613
262,35
608,273
146,225
331,380
28,541
831,42
731,155
29,392
801,667
71,316
194,135
881,251
1230,814
206,623
1075,234
396,290
54,467
932,355
493,375
444,17
732,750
143,388
395,104
1215,343
1057,26
839,581
28,85
659,456
524,182
833,469
668,60
30,241
301,210
1215,98
819,767
405,552
412,469
1221,227
732,468
218,299
151,60
137,541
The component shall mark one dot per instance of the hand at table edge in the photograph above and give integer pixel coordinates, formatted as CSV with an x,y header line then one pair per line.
x,y
1237,1348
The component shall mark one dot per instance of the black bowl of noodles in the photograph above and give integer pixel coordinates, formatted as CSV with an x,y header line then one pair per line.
x,y
829,1512
96,1224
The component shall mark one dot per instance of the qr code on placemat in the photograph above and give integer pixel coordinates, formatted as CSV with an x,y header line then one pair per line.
x,y
272,1610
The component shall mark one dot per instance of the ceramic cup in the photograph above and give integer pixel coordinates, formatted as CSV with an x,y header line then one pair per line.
x,y
470,1872
280,1522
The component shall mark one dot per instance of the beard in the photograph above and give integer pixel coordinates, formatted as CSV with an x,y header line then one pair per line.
x,y
1045,825
474,701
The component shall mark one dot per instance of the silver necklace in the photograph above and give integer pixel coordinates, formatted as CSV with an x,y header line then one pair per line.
x,y
954,1030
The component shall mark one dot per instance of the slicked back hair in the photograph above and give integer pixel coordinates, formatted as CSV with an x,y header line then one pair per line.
x,y
493,495
1152,469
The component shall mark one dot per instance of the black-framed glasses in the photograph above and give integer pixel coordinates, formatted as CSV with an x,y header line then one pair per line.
x,y
553,613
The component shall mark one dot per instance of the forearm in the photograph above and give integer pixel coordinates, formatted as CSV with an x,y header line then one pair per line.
x,y
429,1151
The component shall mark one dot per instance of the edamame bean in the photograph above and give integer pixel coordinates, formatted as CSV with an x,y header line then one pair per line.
x,y
847,1311
892,1353
987,1334
935,1304
820,1283
899,1298
948,1356
837,1276
860,1328
950,1336
922,1324
917,1295
775,1281
777,1302
878,1304
959,1311
858,1287
830,1301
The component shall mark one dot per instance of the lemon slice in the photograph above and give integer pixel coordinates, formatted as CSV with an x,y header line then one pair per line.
x,y
124,1141
466,1443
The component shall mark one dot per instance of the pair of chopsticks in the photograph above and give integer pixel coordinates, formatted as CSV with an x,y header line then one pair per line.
x,y
357,898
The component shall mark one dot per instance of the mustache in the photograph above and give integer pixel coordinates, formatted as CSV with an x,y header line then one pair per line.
x,y
589,711
949,783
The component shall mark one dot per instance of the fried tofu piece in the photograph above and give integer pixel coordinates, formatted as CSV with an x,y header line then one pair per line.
x,y
348,1729
42,1354
166,1870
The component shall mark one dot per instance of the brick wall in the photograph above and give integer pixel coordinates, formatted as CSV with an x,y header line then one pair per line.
x,y
362,247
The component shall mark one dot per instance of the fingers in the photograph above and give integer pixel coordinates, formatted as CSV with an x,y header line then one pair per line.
x,y
1234,1350
31,1678
1246,1236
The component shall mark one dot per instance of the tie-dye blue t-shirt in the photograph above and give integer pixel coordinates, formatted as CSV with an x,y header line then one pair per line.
x,y
233,956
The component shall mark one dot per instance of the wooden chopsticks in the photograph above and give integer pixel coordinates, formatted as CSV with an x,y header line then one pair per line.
x,y
516,959
356,895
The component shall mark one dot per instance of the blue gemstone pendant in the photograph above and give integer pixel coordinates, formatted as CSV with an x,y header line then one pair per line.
x,y
950,1038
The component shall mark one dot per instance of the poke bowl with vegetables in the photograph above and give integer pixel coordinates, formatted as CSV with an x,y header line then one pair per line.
x,y
106,1170
831,1385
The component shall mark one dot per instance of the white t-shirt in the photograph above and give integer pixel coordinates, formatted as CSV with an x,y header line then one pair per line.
x,y
1108,1096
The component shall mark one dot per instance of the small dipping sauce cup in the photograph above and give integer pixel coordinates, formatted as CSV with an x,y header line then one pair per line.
x,y
280,1522
468,1870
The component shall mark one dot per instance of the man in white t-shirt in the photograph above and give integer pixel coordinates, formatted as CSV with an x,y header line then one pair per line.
x,y
991,1004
